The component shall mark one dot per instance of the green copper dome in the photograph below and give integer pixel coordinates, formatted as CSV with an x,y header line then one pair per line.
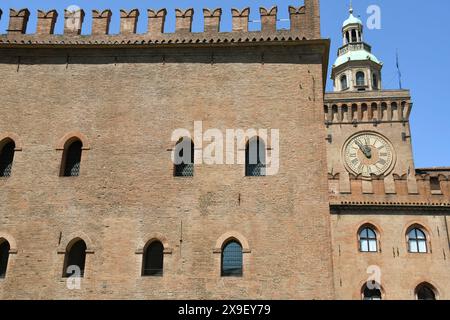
x,y
358,55
352,20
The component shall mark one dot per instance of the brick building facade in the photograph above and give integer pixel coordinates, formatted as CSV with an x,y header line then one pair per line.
x,y
87,178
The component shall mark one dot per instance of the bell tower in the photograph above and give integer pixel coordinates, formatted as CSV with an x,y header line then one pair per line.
x,y
368,128
356,68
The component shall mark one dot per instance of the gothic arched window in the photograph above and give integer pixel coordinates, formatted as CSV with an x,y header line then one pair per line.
x,y
184,158
372,291
4,257
75,259
255,158
71,161
7,147
344,83
360,78
417,241
153,260
375,81
232,259
425,291
368,240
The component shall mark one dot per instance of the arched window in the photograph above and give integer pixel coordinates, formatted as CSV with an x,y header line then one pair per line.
x,y
70,166
417,241
368,240
255,158
354,36
360,78
184,158
4,257
7,147
372,291
75,259
425,291
153,259
232,259
375,81
344,84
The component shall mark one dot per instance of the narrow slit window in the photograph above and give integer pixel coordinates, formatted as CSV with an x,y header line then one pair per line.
x,y
7,148
232,260
153,259
255,158
184,158
72,159
75,260
4,257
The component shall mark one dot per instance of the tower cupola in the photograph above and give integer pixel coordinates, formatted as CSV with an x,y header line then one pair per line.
x,y
356,68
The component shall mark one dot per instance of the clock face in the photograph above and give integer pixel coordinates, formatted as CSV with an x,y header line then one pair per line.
x,y
368,153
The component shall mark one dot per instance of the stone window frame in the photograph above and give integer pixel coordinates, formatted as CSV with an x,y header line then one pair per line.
x,y
17,142
12,252
61,147
68,241
145,242
430,285
425,230
378,233
217,251
363,285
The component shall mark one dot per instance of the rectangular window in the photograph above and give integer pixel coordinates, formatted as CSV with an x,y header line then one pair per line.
x,y
435,184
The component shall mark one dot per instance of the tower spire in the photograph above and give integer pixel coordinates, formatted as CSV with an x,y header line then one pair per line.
x,y
351,7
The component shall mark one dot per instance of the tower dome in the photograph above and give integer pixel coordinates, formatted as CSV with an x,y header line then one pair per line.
x,y
352,20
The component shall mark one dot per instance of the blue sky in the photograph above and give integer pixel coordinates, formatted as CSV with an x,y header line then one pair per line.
x,y
418,30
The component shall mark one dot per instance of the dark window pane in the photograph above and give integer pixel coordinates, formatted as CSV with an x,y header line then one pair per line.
x,y
6,159
344,82
232,260
255,158
153,260
76,256
372,294
4,256
435,184
360,79
184,158
72,159
425,293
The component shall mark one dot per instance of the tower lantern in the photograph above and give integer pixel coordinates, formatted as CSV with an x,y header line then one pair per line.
x,y
356,68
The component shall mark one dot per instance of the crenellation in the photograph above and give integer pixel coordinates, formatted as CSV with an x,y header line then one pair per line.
x,y
101,21
128,21
73,22
268,19
393,187
303,25
156,21
46,22
184,20
18,21
212,20
297,17
240,19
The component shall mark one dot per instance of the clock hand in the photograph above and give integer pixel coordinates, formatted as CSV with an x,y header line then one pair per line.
x,y
365,149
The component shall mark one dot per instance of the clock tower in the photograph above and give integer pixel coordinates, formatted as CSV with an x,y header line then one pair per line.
x,y
368,130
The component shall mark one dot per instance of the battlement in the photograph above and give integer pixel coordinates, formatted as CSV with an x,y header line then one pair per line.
x,y
304,21
420,188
